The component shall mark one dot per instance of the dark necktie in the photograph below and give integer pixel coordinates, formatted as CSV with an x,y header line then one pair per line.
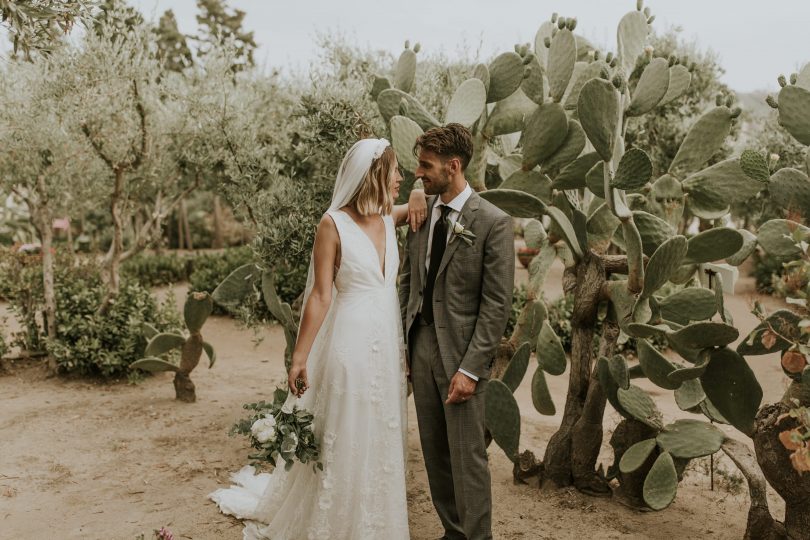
x,y
437,246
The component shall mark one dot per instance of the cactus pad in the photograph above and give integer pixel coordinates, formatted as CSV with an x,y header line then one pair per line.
x,y
690,439
635,456
651,88
154,365
598,108
725,180
505,76
713,245
661,484
679,81
761,340
639,405
618,370
404,133
196,310
517,367
690,304
700,335
532,182
654,231
634,170
210,353
569,150
502,417
754,165
655,365
541,397
515,203
533,85
509,115
405,72
664,261
572,176
689,395
390,104
748,247
733,389
560,63
776,237
237,286
794,112
632,36
790,189
550,353
704,139
544,132
163,343
467,103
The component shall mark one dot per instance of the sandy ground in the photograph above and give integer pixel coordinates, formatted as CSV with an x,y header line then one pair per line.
x,y
90,460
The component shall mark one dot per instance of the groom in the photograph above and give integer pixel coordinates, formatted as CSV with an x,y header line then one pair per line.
x,y
456,294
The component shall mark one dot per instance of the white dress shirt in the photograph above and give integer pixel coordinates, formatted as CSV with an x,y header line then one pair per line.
x,y
456,205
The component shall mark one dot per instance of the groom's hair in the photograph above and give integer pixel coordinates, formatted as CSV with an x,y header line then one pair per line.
x,y
450,141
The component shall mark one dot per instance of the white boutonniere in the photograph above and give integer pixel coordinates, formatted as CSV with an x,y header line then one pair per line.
x,y
460,232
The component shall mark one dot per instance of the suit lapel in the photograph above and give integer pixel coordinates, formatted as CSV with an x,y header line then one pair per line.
x,y
468,214
422,235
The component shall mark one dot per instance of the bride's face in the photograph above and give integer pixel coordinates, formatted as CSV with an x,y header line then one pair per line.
x,y
394,180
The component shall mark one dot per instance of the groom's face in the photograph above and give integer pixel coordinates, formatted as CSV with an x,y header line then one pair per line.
x,y
433,171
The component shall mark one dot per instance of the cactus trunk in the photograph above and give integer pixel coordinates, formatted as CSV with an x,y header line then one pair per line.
x,y
589,275
774,460
586,439
191,352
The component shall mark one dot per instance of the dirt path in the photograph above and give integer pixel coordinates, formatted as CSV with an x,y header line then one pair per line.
x,y
81,460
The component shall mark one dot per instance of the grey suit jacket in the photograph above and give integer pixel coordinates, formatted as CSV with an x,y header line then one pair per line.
x,y
472,296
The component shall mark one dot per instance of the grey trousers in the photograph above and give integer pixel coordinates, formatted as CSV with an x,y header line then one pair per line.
x,y
453,443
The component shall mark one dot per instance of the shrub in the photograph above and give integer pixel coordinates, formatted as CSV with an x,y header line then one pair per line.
x,y
90,343
156,270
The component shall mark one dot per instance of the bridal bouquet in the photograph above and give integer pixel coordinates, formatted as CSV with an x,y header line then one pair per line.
x,y
280,430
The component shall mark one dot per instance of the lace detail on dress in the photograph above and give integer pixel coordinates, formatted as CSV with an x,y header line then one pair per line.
x,y
357,394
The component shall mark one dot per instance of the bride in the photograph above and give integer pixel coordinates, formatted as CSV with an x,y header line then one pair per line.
x,y
348,369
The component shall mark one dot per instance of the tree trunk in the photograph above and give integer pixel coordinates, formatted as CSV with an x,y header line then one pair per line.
x,y
774,459
219,239
180,235
631,486
586,438
761,525
117,246
590,274
186,228
44,225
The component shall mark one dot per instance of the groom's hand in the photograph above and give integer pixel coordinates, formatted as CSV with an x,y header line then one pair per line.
x,y
461,388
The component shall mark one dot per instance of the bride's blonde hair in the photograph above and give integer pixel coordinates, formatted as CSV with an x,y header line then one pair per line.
x,y
374,195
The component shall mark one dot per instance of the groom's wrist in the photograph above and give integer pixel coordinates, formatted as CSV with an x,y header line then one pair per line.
x,y
468,374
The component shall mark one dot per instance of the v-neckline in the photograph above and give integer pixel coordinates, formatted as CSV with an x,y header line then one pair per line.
x,y
383,267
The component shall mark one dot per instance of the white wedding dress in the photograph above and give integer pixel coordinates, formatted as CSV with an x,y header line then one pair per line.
x,y
356,371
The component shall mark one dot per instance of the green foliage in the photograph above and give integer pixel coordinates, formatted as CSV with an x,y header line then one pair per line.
x,y
220,25
173,50
157,269
36,26
90,343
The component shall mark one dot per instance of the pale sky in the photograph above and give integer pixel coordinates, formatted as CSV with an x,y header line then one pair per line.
x,y
755,40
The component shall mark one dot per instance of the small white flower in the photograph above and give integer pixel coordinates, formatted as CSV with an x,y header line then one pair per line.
x,y
774,158
458,228
264,429
290,442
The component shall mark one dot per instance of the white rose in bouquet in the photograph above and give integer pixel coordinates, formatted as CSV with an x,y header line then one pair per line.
x,y
264,429
290,443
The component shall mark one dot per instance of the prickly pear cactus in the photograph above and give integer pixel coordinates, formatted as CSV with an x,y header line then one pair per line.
x,y
560,112
158,351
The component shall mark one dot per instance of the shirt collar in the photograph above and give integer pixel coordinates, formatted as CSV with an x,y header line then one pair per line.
x,y
458,202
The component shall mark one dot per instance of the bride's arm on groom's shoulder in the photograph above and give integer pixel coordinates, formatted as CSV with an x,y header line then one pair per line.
x,y
325,258
414,212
